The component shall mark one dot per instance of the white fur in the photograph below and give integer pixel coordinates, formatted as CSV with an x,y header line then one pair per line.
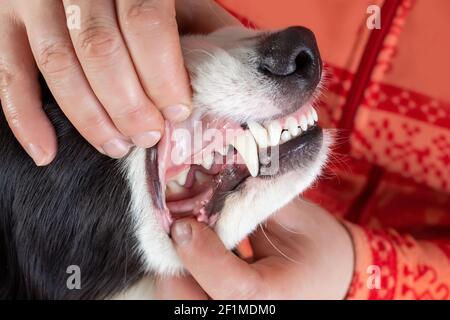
x,y
154,243
222,68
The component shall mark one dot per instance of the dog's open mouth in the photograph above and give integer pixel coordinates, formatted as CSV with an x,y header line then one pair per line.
x,y
200,163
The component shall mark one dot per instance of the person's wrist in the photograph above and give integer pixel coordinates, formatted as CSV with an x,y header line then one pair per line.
x,y
328,253
336,259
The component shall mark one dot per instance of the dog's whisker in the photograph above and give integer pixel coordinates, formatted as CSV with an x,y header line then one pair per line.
x,y
278,249
288,229
201,51
216,14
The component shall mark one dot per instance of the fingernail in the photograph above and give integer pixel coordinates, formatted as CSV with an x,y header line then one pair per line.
x,y
116,148
176,113
39,156
146,139
181,232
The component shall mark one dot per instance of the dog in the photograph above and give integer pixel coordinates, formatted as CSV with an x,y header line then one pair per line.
x,y
110,219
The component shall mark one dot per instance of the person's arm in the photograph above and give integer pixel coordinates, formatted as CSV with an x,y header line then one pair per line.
x,y
393,266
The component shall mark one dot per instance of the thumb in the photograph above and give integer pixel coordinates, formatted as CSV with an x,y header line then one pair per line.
x,y
218,271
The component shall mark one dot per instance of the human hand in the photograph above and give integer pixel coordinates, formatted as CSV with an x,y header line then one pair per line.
x,y
302,252
115,77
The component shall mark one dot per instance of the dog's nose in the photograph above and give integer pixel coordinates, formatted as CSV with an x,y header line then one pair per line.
x,y
291,53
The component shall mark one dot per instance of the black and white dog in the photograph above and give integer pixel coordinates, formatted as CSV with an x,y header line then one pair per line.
x,y
110,218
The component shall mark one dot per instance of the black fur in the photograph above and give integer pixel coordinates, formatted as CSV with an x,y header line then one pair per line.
x,y
72,212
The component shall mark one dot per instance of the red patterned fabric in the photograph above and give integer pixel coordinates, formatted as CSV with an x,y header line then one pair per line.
x,y
387,94
405,268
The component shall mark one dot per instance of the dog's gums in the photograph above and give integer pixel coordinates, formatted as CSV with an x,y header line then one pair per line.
x,y
194,177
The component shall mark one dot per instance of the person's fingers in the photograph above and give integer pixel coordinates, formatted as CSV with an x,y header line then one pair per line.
x,y
178,288
151,33
56,59
109,69
20,94
218,271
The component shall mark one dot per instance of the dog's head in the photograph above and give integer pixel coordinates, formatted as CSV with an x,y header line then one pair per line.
x,y
251,145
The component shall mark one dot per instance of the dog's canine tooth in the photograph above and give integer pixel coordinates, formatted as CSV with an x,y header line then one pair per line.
x,y
303,123
259,133
286,136
292,126
274,130
245,144
314,114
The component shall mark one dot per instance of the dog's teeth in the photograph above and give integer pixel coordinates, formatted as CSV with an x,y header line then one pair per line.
x,y
292,126
223,151
285,136
303,123
245,144
310,116
181,177
207,161
174,188
274,130
314,114
259,133
201,177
